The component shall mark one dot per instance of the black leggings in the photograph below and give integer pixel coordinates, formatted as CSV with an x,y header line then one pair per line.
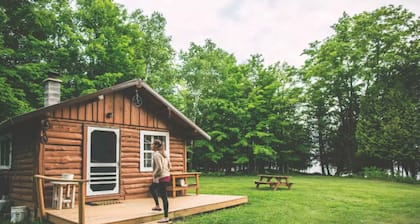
x,y
161,189
153,191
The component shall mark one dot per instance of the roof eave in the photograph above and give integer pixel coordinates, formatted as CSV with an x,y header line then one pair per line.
x,y
136,82
176,111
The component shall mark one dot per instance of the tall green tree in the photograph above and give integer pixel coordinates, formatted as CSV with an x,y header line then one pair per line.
x,y
106,47
211,97
363,49
276,137
26,27
92,44
249,111
389,122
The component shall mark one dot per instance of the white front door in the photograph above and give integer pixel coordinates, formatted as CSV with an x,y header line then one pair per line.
x,y
103,161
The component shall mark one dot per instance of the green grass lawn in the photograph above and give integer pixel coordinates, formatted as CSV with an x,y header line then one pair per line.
x,y
313,199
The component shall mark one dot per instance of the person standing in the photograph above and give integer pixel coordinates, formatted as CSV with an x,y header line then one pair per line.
x,y
161,178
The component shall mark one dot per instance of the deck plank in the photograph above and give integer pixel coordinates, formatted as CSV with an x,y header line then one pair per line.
x,y
139,210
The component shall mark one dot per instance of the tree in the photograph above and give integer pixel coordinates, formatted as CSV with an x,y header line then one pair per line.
x,y
388,130
91,44
364,49
211,100
25,30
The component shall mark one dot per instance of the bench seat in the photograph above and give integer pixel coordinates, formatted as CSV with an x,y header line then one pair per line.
x,y
266,182
273,183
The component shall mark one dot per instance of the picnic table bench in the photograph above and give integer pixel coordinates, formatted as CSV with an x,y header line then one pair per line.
x,y
274,181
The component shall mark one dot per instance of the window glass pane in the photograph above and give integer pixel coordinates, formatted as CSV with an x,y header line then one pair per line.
x,y
103,145
148,155
147,143
7,153
147,159
4,152
147,163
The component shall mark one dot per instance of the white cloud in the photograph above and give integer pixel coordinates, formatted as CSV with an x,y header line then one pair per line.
x,y
278,29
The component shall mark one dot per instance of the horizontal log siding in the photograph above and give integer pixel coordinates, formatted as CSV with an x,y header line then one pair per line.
x,y
130,175
178,155
62,153
23,166
63,150
133,183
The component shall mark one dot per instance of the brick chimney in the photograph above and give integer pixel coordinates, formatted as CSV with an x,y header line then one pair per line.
x,y
52,89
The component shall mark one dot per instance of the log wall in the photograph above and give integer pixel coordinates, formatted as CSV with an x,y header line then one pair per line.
x,y
66,146
24,153
63,150
21,176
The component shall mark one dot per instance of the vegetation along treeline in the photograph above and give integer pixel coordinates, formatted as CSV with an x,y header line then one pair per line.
x,y
354,103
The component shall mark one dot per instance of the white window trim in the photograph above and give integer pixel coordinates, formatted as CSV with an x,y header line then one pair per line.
x,y
8,138
142,151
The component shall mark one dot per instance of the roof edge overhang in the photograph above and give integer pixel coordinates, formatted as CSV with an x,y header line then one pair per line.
x,y
138,83
175,110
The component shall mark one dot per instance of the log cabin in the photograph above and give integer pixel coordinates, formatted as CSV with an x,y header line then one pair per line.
x,y
104,137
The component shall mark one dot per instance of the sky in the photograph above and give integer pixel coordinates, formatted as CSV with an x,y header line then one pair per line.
x,y
279,30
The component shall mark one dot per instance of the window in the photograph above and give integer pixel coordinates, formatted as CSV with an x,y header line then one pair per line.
x,y
146,140
5,152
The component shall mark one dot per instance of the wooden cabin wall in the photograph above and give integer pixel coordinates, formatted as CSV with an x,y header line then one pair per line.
x,y
64,150
178,154
135,184
20,176
61,153
114,108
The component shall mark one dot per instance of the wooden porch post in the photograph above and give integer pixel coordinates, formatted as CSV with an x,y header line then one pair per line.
x,y
82,219
40,193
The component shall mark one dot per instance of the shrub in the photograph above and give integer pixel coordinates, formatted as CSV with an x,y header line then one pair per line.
x,y
377,173
374,173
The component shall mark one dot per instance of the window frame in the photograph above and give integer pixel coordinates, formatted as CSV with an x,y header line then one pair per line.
x,y
143,151
9,139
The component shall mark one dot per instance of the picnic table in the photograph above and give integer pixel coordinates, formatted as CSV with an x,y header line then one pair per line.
x,y
274,181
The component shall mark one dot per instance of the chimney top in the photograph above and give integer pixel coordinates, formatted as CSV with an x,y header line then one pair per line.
x,y
53,74
52,89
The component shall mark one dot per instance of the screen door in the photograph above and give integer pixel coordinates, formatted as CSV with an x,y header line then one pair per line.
x,y
103,161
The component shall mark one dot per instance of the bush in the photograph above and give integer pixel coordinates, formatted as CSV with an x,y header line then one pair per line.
x,y
381,174
374,173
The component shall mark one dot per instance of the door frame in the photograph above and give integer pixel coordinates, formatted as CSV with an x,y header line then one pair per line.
x,y
91,129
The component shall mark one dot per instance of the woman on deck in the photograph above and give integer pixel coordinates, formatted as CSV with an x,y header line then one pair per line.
x,y
161,178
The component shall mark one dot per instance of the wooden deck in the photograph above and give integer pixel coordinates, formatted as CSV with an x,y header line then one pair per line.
x,y
139,210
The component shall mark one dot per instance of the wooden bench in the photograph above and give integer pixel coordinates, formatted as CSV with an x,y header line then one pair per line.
x,y
268,179
175,185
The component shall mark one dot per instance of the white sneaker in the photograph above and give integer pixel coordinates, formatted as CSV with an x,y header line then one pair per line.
x,y
164,220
